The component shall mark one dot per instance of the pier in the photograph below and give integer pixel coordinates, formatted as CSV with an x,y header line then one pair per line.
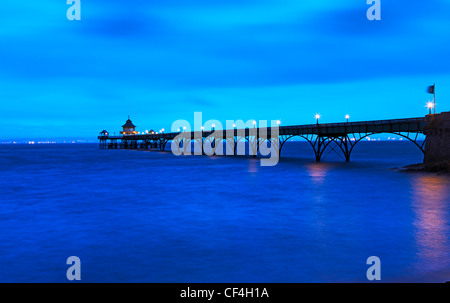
x,y
320,136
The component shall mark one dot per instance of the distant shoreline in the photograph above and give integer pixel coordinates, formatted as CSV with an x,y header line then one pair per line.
x,y
45,142
59,141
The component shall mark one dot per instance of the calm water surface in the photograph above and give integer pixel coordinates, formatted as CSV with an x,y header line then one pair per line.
x,y
135,216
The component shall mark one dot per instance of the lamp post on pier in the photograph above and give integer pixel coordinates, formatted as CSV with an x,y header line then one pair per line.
x,y
430,105
317,118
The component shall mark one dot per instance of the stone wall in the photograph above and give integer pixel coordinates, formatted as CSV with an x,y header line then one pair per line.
x,y
437,146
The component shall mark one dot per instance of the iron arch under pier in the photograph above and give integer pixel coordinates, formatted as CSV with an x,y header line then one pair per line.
x,y
346,142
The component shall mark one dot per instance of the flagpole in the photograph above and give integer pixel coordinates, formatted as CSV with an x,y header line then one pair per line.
x,y
434,98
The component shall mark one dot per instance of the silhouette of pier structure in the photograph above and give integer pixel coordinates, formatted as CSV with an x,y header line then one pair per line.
x,y
341,137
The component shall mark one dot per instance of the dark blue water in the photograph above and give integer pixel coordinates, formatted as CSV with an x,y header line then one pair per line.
x,y
135,216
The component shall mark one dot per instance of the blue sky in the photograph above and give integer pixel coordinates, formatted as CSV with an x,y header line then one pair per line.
x,y
159,61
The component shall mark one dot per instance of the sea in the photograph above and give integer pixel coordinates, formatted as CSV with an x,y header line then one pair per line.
x,y
147,216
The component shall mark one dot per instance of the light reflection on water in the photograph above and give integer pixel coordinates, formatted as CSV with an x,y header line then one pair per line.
x,y
318,172
253,165
431,206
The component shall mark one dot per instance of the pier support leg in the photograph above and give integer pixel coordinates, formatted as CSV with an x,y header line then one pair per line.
x,y
346,148
319,147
